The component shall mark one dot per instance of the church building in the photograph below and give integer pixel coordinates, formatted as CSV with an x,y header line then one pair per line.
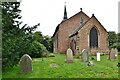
x,y
80,32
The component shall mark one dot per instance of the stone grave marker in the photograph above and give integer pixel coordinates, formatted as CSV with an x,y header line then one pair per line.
x,y
85,55
69,55
112,54
116,53
98,56
77,53
25,64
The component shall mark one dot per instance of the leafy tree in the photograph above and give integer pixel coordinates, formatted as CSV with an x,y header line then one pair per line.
x,y
45,40
118,37
112,37
118,42
38,50
48,43
114,40
16,41
38,36
9,35
20,40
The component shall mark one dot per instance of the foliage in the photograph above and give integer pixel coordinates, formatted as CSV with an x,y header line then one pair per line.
x,y
114,40
112,37
77,69
116,45
38,50
118,36
38,36
16,41
45,40
48,43
9,36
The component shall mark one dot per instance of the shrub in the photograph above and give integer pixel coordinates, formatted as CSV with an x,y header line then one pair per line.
x,y
38,50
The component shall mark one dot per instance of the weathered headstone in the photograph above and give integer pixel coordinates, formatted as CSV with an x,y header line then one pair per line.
x,y
69,55
116,53
25,64
85,55
98,56
77,53
112,54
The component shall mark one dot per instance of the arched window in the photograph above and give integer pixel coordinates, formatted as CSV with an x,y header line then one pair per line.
x,y
93,38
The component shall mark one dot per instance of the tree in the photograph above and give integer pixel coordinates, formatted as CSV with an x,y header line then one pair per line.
x,y
38,36
9,35
114,40
48,43
112,37
16,41
19,41
38,50
118,37
45,40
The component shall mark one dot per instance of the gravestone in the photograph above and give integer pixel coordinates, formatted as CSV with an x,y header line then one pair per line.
x,y
69,55
112,54
116,53
85,55
77,54
25,64
98,56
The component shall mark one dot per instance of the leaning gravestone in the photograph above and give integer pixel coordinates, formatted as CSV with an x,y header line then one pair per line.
x,y
25,64
112,54
98,56
85,55
69,55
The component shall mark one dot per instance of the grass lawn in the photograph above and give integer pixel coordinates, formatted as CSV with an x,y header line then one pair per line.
x,y
56,67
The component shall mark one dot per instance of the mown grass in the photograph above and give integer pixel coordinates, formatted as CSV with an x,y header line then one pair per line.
x,y
78,69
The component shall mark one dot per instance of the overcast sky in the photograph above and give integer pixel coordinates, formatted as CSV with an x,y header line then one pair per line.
x,y
49,13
